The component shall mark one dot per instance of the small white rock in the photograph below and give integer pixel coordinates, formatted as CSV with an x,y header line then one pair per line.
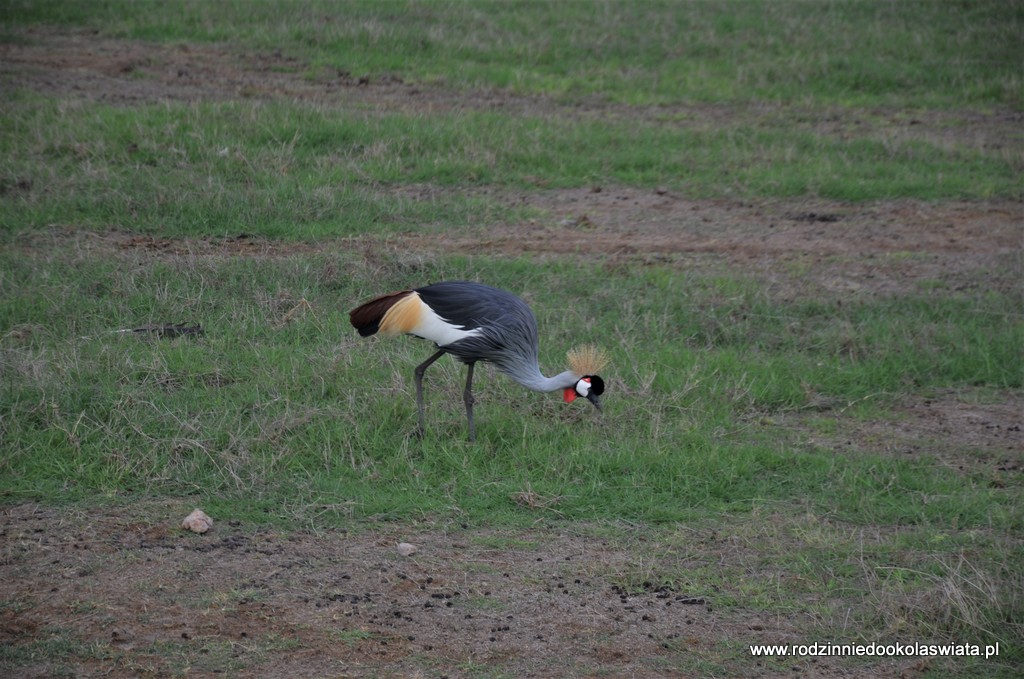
x,y
406,548
197,522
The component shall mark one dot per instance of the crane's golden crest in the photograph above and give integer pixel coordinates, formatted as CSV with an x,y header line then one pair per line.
x,y
587,359
403,316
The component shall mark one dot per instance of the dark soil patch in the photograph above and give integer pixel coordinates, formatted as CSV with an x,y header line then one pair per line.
x,y
887,247
959,431
135,595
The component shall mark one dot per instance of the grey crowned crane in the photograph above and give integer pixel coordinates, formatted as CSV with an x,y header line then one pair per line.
x,y
475,322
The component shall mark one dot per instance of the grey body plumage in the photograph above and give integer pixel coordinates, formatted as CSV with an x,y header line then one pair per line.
x,y
507,327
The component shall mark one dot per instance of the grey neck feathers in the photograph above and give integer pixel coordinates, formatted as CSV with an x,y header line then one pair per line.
x,y
538,382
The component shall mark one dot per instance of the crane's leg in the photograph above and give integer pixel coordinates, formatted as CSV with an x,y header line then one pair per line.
x,y
420,369
467,397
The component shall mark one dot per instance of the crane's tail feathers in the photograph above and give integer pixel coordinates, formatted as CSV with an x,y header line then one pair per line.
x,y
392,314
587,359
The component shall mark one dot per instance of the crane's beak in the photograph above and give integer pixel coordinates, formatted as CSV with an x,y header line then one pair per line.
x,y
595,399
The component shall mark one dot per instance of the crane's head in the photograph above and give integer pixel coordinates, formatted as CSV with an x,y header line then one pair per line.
x,y
589,387
586,361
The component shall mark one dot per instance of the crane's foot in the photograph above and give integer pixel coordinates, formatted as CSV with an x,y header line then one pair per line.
x,y
472,425
467,398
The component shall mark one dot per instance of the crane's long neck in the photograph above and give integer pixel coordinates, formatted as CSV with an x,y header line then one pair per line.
x,y
538,382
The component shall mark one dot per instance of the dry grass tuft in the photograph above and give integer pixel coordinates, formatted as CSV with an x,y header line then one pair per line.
x,y
534,500
963,599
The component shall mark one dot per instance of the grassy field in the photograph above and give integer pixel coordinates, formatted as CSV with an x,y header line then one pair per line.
x,y
917,54
742,398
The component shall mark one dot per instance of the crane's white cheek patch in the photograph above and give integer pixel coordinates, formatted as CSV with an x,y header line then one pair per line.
x,y
583,388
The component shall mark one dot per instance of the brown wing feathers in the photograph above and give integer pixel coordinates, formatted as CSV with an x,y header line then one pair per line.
x,y
367,317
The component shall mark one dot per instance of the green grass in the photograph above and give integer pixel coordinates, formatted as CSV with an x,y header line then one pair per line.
x,y
274,170
303,172
933,54
259,408
56,646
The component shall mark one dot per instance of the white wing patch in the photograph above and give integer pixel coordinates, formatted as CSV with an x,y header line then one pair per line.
x,y
438,330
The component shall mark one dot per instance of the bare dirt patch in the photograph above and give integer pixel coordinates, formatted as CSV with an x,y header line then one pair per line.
x,y
960,431
889,247
119,595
